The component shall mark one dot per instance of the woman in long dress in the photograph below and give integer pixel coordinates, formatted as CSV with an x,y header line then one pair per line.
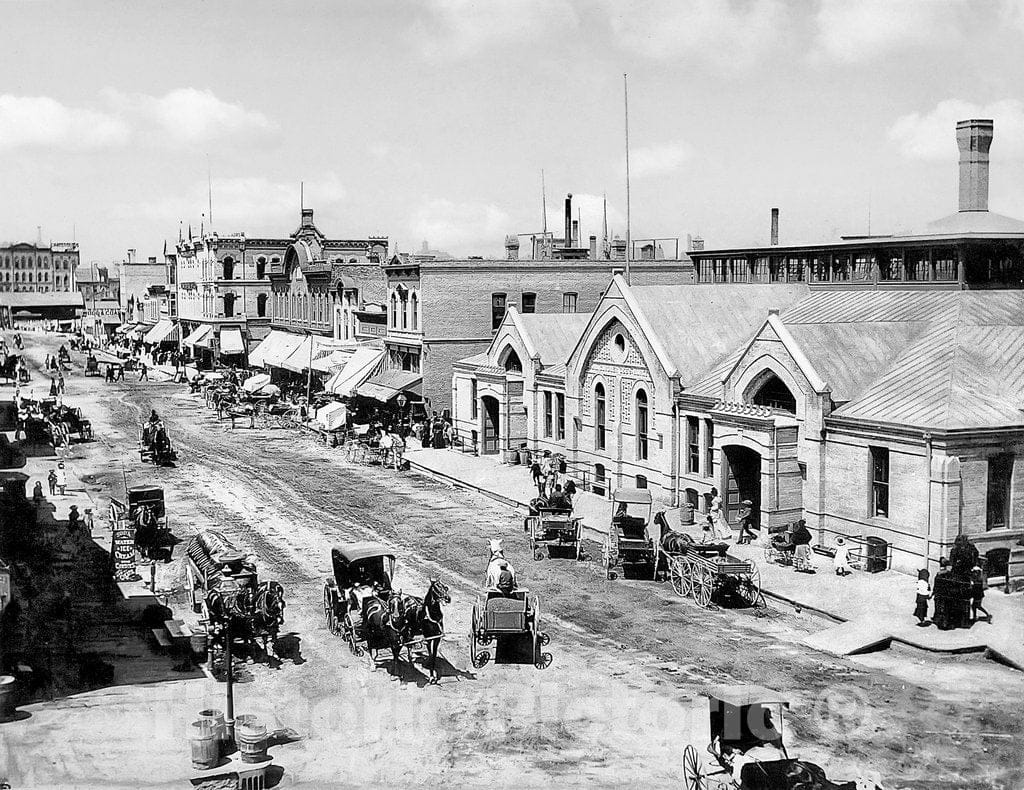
x,y
722,529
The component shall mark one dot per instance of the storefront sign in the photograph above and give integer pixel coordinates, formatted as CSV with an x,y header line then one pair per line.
x,y
123,552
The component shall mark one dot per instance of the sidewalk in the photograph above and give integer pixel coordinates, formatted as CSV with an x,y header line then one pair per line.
x,y
870,610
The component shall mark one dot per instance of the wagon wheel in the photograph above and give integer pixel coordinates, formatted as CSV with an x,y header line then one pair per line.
x,y
694,777
477,657
749,587
703,586
328,603
677,575
349,629
579,540
535,548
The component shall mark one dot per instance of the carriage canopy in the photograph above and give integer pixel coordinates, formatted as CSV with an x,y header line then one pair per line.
x,y
373,559
633,496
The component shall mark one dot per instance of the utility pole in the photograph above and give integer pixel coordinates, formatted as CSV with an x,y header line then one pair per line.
x,y
629,239
309,375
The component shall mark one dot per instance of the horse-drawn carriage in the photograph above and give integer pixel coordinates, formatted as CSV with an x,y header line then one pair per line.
x,y
224,586
701,570
92,366
743,725
155,444
629,542
554,527
74,423
361,605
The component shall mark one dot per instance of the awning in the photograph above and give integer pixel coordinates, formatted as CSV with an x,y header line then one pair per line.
x,y
200,336
297,358
165,330
231,341
389,384
274,348
361,365
109,320
125,328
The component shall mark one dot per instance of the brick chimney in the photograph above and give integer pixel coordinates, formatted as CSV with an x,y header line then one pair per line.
x,y
568,220
973,138
512,247
775,227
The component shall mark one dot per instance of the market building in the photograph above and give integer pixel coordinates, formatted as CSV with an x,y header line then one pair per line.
x,y
37,268
55,309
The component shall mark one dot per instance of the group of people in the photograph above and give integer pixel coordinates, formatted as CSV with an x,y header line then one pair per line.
x,y
716,525
554,486
958,591
434,432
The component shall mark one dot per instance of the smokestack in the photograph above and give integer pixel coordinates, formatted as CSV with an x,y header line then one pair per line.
x,y
568,220
593,248
973,138
775,227
512,247
575,233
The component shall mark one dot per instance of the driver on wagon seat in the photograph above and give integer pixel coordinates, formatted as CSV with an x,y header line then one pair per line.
x,y
363,587
500,573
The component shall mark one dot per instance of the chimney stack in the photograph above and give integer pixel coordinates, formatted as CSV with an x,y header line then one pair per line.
x,y
973,138
593,248
307,218
575,233
775,227
512,247
568,220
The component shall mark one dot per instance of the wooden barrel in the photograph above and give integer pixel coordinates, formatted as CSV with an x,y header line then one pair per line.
x,y
205,745
215,719
252,741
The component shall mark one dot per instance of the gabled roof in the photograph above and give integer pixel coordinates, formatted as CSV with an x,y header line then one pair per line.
x,y
20,299
699,325
552,335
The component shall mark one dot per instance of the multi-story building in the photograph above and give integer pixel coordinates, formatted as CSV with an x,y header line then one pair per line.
x,y
95,284
887,413
441,311
231,290
35,268
136,278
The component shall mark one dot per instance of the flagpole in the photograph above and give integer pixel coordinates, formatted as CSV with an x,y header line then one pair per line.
x,y
629,239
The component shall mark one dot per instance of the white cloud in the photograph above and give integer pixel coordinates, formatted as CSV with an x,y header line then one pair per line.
x,y
854,31
182,116
189,115
654,160
461,228
251,204
931,135
461,28
42,122
730,35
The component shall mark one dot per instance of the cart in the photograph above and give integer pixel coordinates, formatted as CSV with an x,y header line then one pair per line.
x,y
498,616
555,527
701,571
742,727
92,366
359,570
628,542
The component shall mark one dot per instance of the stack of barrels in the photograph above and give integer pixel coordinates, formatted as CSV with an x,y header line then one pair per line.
x,y
210,742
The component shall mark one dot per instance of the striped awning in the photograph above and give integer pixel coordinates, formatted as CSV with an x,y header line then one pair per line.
x,y
200,336
164,331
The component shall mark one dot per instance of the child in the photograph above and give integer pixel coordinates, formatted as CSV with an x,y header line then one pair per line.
x,y
978,593
51,478
924,592
709,531
841,562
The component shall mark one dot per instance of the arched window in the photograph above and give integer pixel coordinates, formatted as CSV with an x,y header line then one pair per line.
x,y
598,486
414,307
394,310
229,305
775,394
600,415
641,426
261,305
512,363
229,268
405,309
261,268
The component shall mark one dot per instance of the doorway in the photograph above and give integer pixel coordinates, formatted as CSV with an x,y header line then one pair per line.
x,y
742,480
490,417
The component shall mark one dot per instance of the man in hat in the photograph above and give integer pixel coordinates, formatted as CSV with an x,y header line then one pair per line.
x,y
748,523
497,565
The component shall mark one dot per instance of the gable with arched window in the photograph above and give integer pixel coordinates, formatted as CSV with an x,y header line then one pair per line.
x,y
510,360
767,389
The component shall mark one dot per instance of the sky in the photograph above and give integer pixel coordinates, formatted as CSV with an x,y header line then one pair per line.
x,y
433,120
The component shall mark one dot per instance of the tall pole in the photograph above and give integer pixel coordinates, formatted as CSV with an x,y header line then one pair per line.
x,y
229,718
629,238
309,374
209,188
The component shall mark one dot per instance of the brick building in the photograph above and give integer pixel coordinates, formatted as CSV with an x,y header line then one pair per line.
x,y
95,284
28,267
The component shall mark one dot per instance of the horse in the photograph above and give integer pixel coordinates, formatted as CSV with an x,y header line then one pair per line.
x,y
425,617
145,532
268,614
382,625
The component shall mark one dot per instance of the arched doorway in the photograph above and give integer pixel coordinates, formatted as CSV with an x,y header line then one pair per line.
x,y
490,414
742,480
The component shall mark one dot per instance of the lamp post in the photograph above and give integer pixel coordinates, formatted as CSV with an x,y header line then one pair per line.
x,y
402,401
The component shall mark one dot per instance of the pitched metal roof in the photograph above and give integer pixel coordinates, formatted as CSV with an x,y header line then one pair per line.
x,y
701,324
554,335
22,299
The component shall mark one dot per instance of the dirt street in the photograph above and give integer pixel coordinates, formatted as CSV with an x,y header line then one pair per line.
x,y
614,709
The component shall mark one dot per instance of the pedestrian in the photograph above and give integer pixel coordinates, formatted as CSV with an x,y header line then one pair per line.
x,y
801,540
53,387
748,523
538,477
73,518
62,478
978,593
51,478
143,371
708,533
569,489
924,592
61,387
841,560
722,529
37,492
119,373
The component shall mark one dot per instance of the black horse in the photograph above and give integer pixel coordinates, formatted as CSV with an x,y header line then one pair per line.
x,y
382,626
425,618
